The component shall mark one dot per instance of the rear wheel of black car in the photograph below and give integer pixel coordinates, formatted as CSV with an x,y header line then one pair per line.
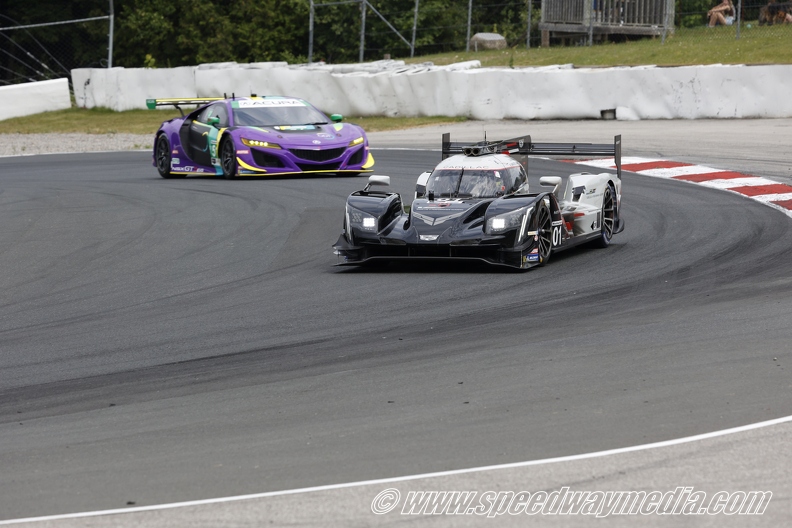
x,y
608,218
162,156
544,230
228,158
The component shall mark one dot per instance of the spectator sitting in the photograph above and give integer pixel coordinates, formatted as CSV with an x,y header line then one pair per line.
x,y
722,14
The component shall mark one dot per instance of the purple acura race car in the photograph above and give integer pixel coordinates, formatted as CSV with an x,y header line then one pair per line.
x,y
257,136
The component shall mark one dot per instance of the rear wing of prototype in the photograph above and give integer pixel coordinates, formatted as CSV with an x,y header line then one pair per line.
x,y
524,146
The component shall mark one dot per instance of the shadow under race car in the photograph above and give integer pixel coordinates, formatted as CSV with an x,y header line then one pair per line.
x,y
476,205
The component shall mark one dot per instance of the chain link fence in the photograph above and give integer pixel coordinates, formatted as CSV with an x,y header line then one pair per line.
x,y
707,20
50,50
47,50
425,28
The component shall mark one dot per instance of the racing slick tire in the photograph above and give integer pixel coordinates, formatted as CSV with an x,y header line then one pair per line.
x,y
608,218
228,158
544,230
162,157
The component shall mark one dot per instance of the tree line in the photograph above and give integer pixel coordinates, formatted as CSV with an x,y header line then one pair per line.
x,y
170,33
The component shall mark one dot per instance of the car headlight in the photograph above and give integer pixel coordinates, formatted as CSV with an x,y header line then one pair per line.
x,y
357,141
261,144
510,220
361,220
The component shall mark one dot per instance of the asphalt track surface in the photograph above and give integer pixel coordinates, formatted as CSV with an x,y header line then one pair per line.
x,y
171,340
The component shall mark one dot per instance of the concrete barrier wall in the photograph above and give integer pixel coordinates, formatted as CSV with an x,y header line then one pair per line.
x,y
392,88
33,98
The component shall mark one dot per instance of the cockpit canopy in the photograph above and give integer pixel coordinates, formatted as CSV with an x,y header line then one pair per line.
x,y
456,182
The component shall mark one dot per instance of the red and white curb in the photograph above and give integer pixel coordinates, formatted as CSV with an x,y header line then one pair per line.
x,y
769,192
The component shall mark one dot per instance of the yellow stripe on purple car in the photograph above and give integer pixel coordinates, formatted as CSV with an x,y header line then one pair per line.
x,y
248,167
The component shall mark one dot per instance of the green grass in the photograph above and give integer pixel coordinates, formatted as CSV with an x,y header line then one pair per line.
x,y
700,45
757,45
105,121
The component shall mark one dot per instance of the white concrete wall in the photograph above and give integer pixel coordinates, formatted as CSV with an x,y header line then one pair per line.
x,y
392,88
33,98
127,89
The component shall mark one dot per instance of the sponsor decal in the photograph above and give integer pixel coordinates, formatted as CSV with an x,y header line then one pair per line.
x,y
558,223
214,161
316,142
325,136
175,151
243,152
429,237
294,127
175,161
268,102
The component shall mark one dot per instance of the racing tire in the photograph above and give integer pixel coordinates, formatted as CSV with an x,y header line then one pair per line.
x,y
228,159
162,157
544,230
608,218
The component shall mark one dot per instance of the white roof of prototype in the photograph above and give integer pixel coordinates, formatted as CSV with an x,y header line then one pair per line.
x,y
486,161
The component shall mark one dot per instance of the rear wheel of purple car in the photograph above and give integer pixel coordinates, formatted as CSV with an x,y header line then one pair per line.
x,y
228,158
162,156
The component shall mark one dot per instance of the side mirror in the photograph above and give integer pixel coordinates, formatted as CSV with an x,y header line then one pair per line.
x,y
336,118
551,181
214,121
420,185
376,179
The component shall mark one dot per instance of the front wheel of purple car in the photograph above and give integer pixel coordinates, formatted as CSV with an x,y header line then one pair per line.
x,y
228,158
162,156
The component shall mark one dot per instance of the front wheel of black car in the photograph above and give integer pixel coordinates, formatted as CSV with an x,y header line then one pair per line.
x,y
608,218
544,230
162,156
228,158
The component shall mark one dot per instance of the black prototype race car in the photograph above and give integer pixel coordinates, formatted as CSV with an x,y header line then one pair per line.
x,y
476,205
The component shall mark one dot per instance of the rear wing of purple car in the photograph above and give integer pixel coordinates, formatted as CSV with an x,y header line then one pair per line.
x,y
178,102
523,146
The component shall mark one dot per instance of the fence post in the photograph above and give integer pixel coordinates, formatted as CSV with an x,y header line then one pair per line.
x,y
415,28
363,4
110,43
739,21
528,32
588,12
310,32
467,40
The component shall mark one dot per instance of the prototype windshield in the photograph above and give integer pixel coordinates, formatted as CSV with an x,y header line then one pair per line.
x,y
473,183
278,112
